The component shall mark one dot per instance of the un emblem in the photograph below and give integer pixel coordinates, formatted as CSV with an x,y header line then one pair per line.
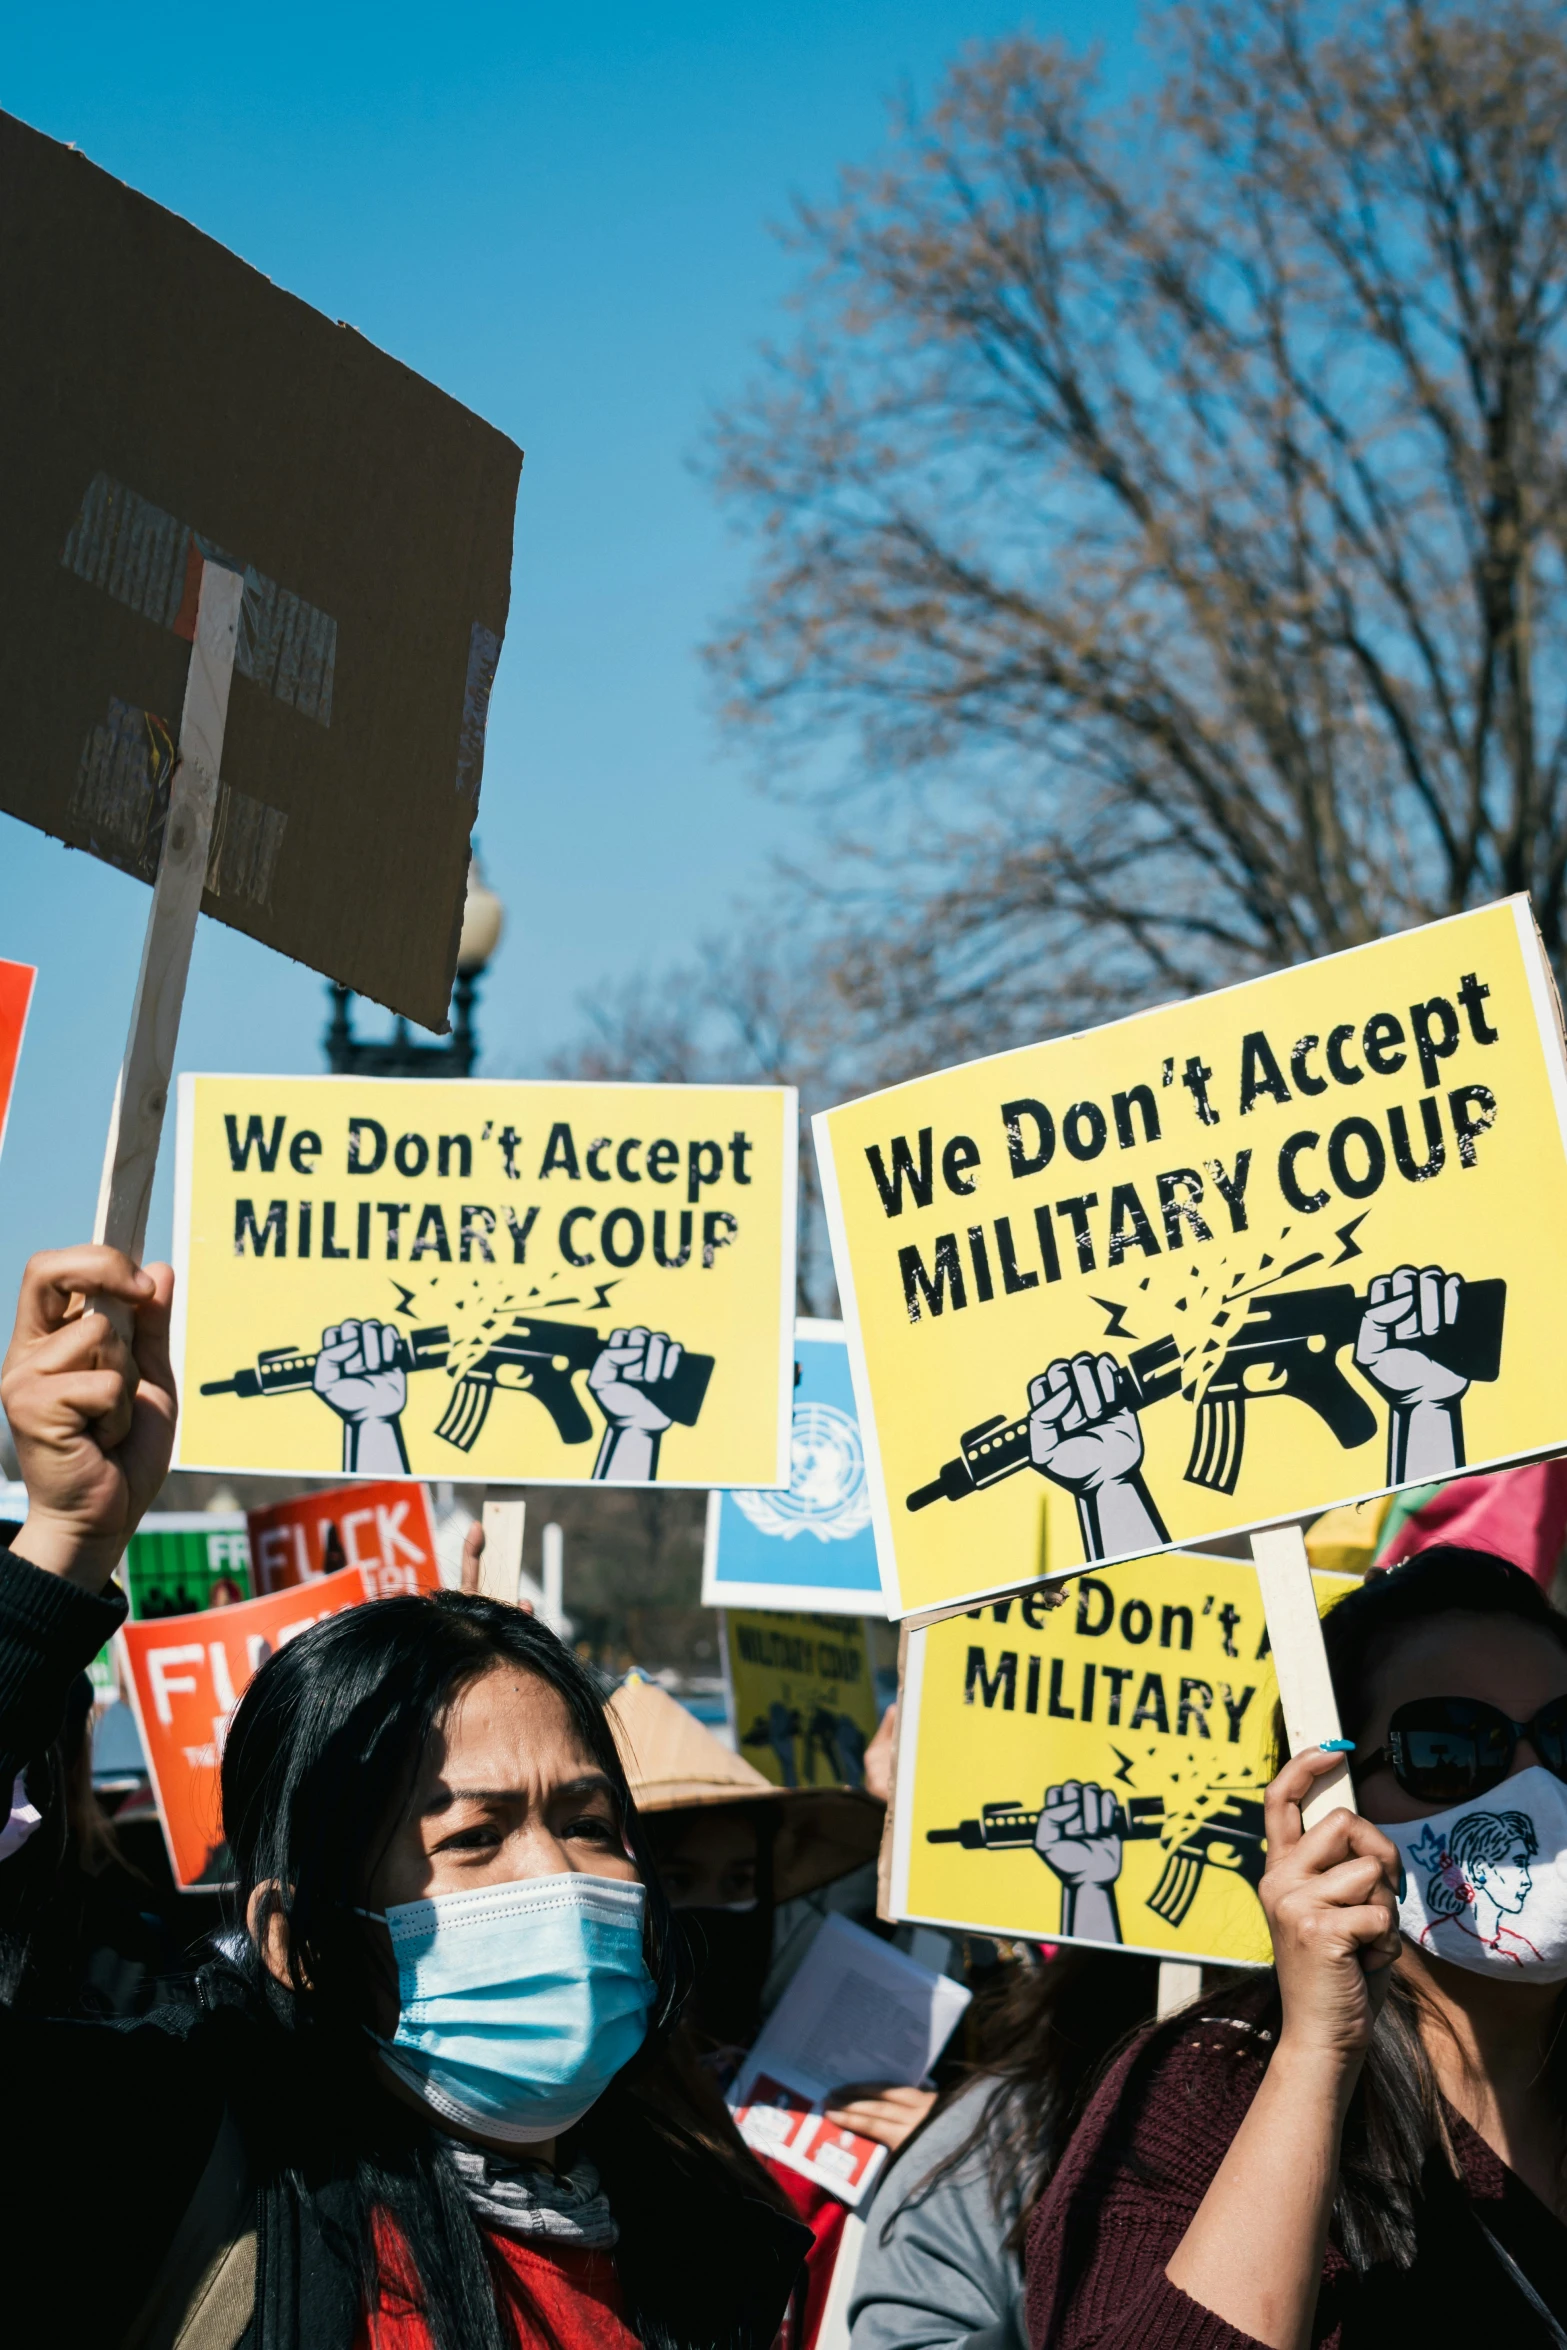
x,y
826,1494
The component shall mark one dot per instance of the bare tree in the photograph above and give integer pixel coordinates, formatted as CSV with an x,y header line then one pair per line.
x,y
748,1010
1167,503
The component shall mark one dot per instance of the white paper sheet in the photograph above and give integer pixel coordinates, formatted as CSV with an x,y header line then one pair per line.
x,y
857,2010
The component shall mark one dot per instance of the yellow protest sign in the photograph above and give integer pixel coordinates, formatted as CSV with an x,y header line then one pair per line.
x,y
802,1695
1231,1261
555,1282
1094,1772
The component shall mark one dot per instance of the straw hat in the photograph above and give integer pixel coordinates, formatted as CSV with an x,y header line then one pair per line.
x,y
673,1764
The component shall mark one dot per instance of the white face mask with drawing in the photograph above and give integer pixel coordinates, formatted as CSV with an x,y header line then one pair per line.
x,y
1485,1884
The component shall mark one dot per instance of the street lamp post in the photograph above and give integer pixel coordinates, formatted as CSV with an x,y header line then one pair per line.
x,y
399,1055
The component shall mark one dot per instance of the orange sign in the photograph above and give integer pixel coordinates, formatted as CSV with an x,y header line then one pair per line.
x,y
387,1529
186,1674
16,993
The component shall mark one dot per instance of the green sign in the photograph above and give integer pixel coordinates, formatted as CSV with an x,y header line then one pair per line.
x,y
181,1561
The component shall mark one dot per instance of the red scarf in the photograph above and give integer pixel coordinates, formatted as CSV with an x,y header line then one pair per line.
x,y
563,2298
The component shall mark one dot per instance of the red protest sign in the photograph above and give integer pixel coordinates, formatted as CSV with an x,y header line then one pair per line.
x,y
387,1529
186,1674
16,993
786,2125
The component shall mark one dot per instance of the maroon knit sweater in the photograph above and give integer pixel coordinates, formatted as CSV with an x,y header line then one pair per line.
x,y
1141,2161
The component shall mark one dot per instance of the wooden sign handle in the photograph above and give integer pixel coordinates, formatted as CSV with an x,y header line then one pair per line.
x,y
884,1908
1180,1982
500,1570
1300,1660
136,1124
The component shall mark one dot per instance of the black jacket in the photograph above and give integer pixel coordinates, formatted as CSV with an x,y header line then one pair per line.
x,y
108,2126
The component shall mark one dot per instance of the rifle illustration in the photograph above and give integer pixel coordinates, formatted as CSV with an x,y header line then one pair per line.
x,y
1000,1447
1287,1345
1231,1838
1001,1827
528,1358
1290,1346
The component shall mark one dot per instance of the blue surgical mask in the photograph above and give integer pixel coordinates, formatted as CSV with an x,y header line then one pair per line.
x,y
519,2003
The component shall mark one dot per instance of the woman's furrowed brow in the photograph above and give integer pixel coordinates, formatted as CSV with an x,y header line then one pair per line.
x,y
586,1783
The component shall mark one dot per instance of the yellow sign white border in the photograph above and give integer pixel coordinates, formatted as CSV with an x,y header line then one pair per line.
x,y
1547,1014
455,1089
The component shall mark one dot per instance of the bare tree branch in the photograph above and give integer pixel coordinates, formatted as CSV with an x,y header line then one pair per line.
x,y
1170,507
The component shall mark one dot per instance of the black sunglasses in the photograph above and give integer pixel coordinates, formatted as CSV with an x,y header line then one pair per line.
x,y
1444,1749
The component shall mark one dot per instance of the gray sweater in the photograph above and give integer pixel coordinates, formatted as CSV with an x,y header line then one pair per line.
x,y
942,2280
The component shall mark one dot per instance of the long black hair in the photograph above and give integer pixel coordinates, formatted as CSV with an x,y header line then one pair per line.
x,y
321,1759
1042,2037
1396,2129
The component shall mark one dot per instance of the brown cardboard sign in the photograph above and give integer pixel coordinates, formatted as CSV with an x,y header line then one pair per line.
x,y
161,402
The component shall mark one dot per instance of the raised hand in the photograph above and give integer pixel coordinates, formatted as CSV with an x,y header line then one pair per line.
x,y
1079,1837
627,1376
1252,2253
1329,1894
361,1374
627,1382
1084,1435
1405,1310
93,1419
878,1757
1081,1430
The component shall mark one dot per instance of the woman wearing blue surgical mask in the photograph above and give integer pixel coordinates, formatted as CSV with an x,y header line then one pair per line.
x,y
1368,2142
426,2102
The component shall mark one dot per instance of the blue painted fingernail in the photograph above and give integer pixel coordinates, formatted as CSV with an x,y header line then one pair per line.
x,y
1337,1745
1402,1880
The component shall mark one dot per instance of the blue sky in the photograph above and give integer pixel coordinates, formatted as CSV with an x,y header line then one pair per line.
x,y
560,215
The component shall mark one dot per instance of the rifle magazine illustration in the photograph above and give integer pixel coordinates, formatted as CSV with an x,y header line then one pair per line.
x,y
1290,1345
1230,1838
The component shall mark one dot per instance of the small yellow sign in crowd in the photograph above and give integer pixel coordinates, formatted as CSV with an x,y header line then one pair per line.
x,y
802,1695
1094,1772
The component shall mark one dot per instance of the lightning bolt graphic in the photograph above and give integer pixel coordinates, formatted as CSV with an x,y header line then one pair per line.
x,y
1124,1774
1345,1235
1116,1326
1299,1265
599,1302
405,1299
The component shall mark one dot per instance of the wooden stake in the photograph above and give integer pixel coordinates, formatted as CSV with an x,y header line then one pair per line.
x,y
1180,1982
884,1908
1300,1659
136,1125
500,1569
553,1579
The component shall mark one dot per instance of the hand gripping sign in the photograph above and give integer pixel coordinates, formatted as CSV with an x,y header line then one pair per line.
x,y
1093,1771
186,1674
564,1282
1228,1262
